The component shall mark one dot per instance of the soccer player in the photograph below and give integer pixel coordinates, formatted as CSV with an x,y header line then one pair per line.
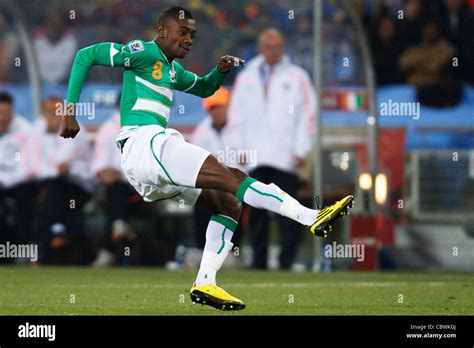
x,y
161,165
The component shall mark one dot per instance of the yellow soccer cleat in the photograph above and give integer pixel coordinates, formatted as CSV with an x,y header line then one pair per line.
x,y
328,215
214,296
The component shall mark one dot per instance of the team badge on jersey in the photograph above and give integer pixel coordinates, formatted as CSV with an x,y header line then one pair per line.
x,y
172,74
136,46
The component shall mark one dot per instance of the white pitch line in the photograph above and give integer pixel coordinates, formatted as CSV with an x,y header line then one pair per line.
x,y
250,285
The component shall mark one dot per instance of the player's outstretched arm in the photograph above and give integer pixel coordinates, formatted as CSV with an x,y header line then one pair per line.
x,y
105,54
205,86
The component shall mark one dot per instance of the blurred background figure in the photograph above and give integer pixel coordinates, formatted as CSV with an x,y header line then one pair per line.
x,y
55,47
15,186
456,22
413,18
387,47
212,134
62,169
118,196
9,47
428,65
271,113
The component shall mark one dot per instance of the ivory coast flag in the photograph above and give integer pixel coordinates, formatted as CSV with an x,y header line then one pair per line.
x,y
353,101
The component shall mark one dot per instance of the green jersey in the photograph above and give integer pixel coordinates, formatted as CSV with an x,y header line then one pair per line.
x,y
148,80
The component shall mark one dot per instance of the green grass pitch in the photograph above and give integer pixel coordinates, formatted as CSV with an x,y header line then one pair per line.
x,y
152,291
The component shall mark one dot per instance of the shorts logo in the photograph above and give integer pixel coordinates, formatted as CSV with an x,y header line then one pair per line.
x,y
136,46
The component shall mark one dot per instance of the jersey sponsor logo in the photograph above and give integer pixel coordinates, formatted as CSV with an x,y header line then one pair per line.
x,y
136,46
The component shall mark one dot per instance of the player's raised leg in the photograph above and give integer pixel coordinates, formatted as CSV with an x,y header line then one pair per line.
x,y
214,175
226,209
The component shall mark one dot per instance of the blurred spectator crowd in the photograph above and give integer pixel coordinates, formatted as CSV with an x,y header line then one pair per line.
x,y
403,35
46,185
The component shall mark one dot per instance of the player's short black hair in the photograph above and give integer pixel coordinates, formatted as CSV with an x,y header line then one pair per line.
x,y
6,97
173,12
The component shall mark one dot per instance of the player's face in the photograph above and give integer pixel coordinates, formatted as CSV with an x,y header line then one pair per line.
x,y
6,116
179,36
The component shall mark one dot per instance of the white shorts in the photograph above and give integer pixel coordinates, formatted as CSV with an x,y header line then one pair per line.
x,y
160,164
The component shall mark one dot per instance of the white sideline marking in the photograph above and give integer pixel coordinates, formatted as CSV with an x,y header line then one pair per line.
x,y
251,285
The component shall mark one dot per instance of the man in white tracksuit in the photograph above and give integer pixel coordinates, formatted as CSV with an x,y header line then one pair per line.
x,y
14,174
271,112
62,170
